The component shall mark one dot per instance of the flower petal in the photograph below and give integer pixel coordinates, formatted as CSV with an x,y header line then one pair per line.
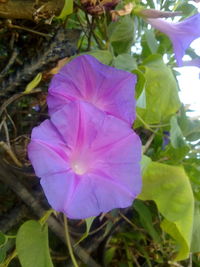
x,y
94,195
81,123
47,150
85,78
58,189
181,34
121,163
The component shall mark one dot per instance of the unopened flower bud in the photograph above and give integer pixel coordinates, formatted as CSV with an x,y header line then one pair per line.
x,y
154,14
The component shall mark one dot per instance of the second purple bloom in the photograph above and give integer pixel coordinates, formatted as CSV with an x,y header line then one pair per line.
x,y
86,79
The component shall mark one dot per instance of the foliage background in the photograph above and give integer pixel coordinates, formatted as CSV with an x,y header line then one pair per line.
x,y
162,226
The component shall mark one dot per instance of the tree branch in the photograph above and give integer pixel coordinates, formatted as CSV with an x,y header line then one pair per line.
x,y
12,9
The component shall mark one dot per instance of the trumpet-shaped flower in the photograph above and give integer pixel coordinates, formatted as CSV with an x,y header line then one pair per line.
x,y
194,62
86,79
181,33
88,161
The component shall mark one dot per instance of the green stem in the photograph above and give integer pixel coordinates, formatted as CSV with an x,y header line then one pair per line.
x,y
145,124
68,242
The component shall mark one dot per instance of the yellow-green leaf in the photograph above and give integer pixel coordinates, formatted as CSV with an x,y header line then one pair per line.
x,y
30,86
170,188
67,9
161,91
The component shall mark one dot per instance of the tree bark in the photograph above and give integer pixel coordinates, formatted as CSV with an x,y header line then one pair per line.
x,y
30,9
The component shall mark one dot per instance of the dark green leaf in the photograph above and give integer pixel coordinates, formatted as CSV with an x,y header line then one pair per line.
x,y
2,239
146,219
109,254
2,254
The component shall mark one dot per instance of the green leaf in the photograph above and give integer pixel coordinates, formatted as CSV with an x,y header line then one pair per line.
x,y
67,9
141,101
109,254
2,254
195,244
170,188
104,56
186,8
175,155
30,86
32,245
190,128
151,40
146,219
162,100
140,85
125,62
88,222
176,136
3,239
145,163
121,34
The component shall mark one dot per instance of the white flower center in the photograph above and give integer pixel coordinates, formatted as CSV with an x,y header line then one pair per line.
x,y
79,168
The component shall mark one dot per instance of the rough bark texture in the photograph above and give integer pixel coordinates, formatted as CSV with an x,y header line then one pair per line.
x,y
31,10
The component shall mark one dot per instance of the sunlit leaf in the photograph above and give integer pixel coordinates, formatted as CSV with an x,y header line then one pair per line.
x,y
162,99
141,101
145,163
67,9
195,244
170,188
102,55
33,83
125,62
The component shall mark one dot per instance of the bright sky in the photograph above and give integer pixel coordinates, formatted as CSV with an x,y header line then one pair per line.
x,y
189,80
189,83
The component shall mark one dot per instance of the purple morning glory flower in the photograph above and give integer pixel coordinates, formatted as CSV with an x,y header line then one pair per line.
x,y
88,161
193,62
86,79
181,33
